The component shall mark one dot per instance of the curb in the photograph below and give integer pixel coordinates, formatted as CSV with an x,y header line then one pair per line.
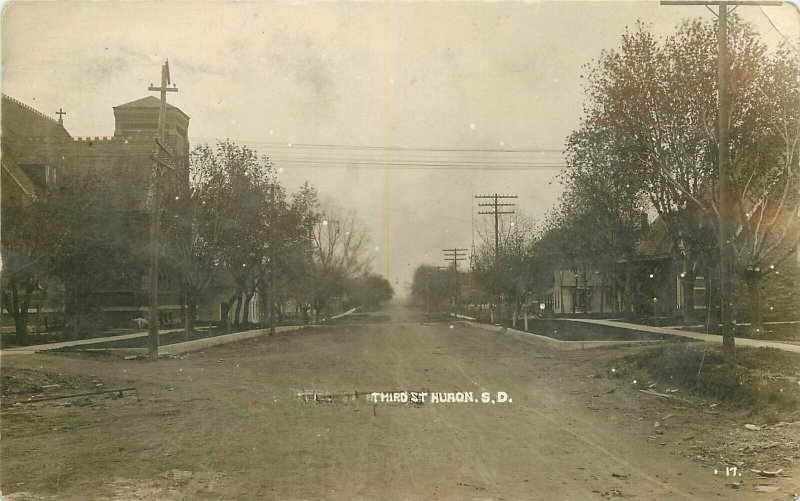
x,y
708,338
556,343
200,344
167,349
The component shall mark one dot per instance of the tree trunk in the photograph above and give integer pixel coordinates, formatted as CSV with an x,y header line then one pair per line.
x,y
226,317
248,297
191,316
756,313
602,293
264,303
729,348
688,282
586,306
20,311
575,295
185,311
713,306
616,292
238,311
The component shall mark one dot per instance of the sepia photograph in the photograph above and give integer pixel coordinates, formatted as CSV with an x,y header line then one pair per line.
x,y
400,250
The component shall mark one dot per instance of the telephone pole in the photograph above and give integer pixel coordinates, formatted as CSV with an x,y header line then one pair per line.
x,y
455,255
496,204
726,258
162,157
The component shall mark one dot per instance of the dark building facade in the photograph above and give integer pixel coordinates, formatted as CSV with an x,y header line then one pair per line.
x,y
38,150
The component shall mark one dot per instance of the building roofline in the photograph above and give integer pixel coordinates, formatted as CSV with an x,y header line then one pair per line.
x,y
32,109
133,105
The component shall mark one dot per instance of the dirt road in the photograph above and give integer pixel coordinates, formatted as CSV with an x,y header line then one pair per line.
x,y
228,424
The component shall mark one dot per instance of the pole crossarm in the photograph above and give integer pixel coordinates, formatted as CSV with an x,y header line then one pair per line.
x,y
496,204
174,88
455,255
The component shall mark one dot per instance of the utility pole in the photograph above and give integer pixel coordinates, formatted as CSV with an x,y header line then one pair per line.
x,y
724,243
496,204
162,157
455,255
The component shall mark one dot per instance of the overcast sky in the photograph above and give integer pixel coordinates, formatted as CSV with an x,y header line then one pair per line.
x,y
417,76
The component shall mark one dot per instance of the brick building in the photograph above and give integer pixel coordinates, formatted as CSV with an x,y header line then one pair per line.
x,y
38,150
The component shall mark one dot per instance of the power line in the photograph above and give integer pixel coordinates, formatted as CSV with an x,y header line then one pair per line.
x,y
408,156
311,163
776,29
397,148
357,151
308,155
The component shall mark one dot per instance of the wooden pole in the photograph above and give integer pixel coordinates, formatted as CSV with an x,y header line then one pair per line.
x,y
725,256
155,215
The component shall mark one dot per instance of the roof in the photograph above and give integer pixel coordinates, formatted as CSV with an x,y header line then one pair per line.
x,y
23,122
149,102
19,177
658,241
568,277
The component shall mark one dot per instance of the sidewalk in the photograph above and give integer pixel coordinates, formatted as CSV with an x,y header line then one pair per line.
x,y
558,344
29,350
171,349
709,338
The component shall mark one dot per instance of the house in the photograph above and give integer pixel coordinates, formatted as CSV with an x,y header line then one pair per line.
x,y
652,278
578,292
654,284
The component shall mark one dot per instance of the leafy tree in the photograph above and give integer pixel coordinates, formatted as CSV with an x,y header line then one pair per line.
x,y
291,247
507,274
601,214
651,112
430,287
97,249
28,235
370,290
231,197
